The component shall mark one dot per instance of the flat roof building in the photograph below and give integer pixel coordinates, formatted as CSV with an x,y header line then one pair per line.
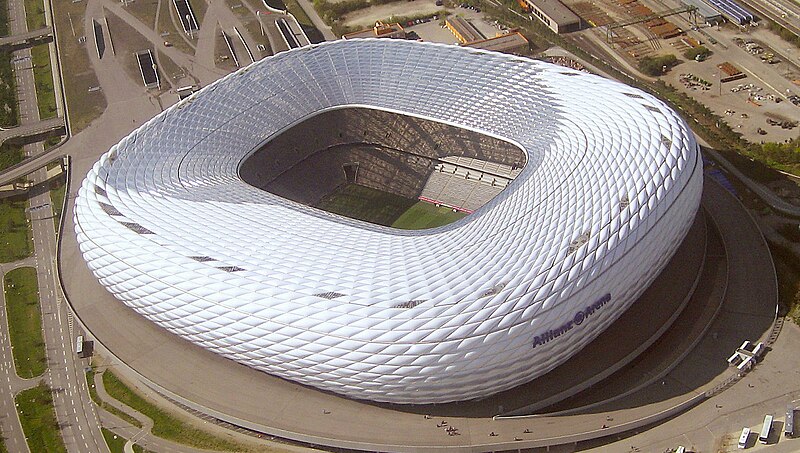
x,y
707,12
555,15
380,30
463,29
513,43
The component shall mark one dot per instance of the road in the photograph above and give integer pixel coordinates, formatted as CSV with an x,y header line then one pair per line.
x,y
40,35
29,129
79,423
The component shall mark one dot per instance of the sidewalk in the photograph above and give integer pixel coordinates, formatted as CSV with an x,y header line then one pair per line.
x,y
326,31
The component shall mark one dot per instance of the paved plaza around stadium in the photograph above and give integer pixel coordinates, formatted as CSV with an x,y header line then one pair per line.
x,y
661,383
235,393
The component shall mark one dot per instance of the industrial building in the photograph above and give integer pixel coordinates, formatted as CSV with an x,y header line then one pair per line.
x,y
513,43
380,30
705,12
554,14
463,29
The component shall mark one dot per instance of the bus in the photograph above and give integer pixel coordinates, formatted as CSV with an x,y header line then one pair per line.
x,y
79,345
744,438
788,427
764,437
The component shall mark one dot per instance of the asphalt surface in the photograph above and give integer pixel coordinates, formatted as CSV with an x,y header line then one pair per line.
x,y
24,37
77,419
199,375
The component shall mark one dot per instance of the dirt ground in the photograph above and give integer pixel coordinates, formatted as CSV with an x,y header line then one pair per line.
x,y
366,17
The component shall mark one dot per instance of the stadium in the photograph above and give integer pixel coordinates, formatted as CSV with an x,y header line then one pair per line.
x,y
213,221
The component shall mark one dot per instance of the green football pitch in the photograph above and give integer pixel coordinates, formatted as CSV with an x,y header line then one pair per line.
x,y
383,208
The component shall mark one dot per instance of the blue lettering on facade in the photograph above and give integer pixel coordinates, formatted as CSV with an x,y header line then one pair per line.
x,y
578,319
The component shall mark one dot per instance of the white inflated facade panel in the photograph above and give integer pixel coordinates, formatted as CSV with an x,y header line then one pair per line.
x,y
167,226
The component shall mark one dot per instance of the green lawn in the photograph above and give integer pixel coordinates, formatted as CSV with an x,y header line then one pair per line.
x,y
25,321
99,402
4,31
57,193
10,155
43,78
84,106
364,203
8,92
16,241
298,12
383,208
166,425
38,417
34,13
426,215
3,448
115,443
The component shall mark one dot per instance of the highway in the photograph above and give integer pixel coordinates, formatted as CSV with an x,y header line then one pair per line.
x,y
80,427
34,37
29,128
29,165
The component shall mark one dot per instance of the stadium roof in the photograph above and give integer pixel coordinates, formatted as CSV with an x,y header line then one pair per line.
x,y
461,311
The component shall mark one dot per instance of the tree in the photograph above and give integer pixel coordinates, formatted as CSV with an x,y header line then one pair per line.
x,y
656,66
698,53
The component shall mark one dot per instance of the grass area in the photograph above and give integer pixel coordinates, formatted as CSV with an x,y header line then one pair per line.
x,y
100,403
58,190
367,204
787,267
3,448
128,43
21,288
426,215
166,425
34,14
10,155
299,13
168,69
199,8
145,11
8,92
43,78
84,106
174,29
38,417
4,29
16,241
116,444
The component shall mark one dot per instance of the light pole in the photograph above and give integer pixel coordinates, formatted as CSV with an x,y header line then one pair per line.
x,y
189,25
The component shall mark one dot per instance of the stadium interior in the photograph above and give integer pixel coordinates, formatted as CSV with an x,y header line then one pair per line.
x,y
317,161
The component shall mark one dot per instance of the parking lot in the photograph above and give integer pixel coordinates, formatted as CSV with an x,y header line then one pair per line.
x,y
434,31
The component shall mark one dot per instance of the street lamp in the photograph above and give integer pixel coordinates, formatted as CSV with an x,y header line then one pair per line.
x,y
189,25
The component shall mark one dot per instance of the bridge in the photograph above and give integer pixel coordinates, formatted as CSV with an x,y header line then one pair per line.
x,y
32,130
30,165
28,39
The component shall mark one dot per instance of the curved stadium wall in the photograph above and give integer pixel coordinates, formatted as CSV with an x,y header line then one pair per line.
x,y
611,185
